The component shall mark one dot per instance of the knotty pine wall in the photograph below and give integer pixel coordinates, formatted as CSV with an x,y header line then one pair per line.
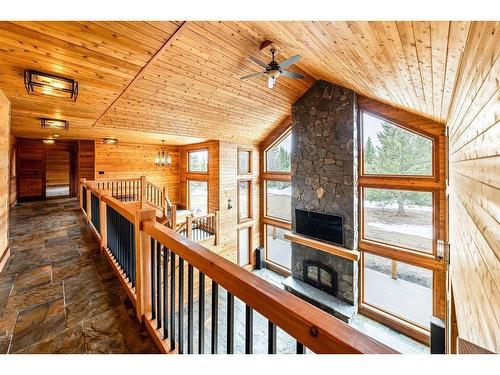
x,y
86,159
474,200
4,177
127,160
228,190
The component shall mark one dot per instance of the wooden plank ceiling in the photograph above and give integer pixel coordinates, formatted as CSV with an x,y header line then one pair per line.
x,y
146,81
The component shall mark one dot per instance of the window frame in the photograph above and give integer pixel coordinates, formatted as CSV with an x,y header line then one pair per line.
x,y
265,215
188,195
250,161
281,269
250,246
250,200
431,137
285,134
188,164
361,225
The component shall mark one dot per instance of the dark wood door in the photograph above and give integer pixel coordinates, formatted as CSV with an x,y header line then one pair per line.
x,y
31,171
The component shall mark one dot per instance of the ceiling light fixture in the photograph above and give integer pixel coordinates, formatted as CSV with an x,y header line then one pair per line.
x,y
163,159
49,141
39,83
110,141
49,123
56,135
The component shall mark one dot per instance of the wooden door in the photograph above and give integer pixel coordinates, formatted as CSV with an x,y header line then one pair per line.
x,y
30,171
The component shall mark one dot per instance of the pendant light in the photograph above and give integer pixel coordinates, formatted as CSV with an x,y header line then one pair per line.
x,y
163,159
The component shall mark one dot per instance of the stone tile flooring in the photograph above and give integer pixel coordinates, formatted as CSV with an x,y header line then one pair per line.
x,y
58,294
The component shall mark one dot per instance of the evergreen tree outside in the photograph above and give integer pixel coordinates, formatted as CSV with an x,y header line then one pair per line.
x,y
399,152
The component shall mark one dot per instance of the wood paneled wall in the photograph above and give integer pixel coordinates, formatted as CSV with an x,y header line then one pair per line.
x,y
86,160
127,160
57,168
474,154
13,170
4,177
228,218
212,176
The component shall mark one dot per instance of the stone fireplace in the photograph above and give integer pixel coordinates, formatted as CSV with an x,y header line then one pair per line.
x,y
324,180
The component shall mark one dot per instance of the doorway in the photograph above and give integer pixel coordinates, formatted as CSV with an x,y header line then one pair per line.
x,y
57,173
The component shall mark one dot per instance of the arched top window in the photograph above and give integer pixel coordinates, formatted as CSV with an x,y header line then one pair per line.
x,y
390,149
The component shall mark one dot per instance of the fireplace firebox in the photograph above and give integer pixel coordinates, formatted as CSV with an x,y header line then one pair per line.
x,y
320,276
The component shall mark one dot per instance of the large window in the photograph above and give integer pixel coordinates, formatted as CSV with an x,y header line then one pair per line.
x,y
279,249
198,197
398,217
397,288
278,200
244,200
278,157
198,161
389,149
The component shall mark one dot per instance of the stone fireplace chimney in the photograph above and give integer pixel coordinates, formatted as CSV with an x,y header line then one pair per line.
x,y
324,176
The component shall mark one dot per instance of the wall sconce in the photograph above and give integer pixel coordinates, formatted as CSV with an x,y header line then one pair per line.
x,y
110,141
49,141
229,204
39,83
49,123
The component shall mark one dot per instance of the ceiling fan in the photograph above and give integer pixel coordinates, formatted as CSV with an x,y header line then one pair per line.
x,y
274,70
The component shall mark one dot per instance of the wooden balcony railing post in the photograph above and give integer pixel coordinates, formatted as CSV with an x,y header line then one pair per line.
x,y
103,218
189,227
143,262
80,190
173,220
88,208
217,237
143,192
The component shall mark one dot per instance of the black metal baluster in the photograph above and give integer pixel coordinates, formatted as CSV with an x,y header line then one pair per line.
x,y
215,316
181,306
230,323
201,313
172,300
132,257
271,337
248,330
300,348
165,292
190,309
153,282
158,283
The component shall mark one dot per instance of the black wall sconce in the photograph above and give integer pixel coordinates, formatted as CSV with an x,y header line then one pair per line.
x,y
229,204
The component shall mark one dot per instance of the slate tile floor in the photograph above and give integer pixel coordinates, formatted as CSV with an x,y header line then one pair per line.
x,y
58,294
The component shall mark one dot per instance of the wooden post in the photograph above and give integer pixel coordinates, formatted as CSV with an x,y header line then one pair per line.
x,y
173,219
143,191
89,205
189,227
143,262
217,239
80,191
103,218
394,269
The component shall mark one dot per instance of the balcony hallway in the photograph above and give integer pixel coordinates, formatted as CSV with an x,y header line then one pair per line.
x,y
58,294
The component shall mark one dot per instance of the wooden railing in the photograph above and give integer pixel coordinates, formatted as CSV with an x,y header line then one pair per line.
x,y
151,261
125,190
200,228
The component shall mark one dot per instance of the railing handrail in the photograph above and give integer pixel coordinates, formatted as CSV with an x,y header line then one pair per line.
x,y
115,179
311,326
118,206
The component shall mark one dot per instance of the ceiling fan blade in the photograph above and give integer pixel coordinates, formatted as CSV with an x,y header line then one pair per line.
x,y
289,61
291,74
270,82
253,75
258,62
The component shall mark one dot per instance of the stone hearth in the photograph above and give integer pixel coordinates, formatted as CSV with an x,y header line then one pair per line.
x,y
324,175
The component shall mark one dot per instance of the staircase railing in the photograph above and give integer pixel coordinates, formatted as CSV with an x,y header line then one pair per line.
x,y
152,261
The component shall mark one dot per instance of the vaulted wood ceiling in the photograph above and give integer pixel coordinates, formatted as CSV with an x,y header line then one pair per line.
x,y
146,81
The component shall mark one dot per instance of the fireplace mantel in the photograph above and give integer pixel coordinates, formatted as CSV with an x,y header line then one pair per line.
x,y
323,246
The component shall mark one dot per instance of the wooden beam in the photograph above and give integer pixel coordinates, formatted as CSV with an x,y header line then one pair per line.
x,y
145,68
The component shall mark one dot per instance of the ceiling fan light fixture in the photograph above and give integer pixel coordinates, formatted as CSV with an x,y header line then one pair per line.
x,y
50,123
